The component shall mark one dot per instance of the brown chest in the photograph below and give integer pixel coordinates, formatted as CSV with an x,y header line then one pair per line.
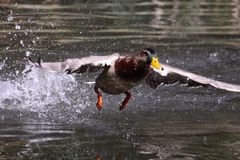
x,y
131,68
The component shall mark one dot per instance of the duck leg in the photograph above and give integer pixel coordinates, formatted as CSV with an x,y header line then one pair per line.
x,y
99,103
125,101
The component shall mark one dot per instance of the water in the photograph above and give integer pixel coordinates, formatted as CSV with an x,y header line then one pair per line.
x,y
53,116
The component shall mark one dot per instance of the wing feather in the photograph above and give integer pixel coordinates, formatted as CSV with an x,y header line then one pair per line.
x,y
171,75
78,65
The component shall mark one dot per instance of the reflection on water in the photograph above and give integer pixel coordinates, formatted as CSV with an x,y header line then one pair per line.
x,y
53,116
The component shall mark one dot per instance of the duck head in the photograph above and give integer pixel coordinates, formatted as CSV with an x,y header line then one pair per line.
x,y
151,58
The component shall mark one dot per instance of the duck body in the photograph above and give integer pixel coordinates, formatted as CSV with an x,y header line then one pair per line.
x,y
126,73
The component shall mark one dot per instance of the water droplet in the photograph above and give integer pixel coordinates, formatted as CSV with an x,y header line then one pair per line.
x,y
10,18
30,31
18,27
52,24
219,101
205,140
25,33
28,53
7,48
78,111
21,42
214,57
2,64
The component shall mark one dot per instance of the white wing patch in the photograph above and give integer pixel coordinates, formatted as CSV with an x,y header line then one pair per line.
x,y
162,71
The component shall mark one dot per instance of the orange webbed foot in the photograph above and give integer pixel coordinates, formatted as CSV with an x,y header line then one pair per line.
x,y
125,101
99,103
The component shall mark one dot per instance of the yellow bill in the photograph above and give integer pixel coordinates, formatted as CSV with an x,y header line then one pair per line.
x,y
155,63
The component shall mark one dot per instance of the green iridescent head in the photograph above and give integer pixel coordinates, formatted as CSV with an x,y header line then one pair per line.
x,y
151,58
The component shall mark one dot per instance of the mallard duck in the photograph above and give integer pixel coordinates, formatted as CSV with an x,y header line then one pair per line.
x,y
120,73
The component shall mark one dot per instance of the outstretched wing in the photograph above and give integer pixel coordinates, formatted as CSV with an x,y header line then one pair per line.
x,y
78,65
171,75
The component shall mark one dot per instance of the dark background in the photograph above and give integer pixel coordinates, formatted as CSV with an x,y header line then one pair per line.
x,y
53,116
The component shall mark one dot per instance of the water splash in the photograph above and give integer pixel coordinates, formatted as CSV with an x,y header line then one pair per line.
x,y
2,64
49,95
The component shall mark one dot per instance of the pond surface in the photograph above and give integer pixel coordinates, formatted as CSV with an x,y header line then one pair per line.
x,y
53,116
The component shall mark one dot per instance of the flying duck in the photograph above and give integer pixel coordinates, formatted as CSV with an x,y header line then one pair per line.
x,y
120,73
